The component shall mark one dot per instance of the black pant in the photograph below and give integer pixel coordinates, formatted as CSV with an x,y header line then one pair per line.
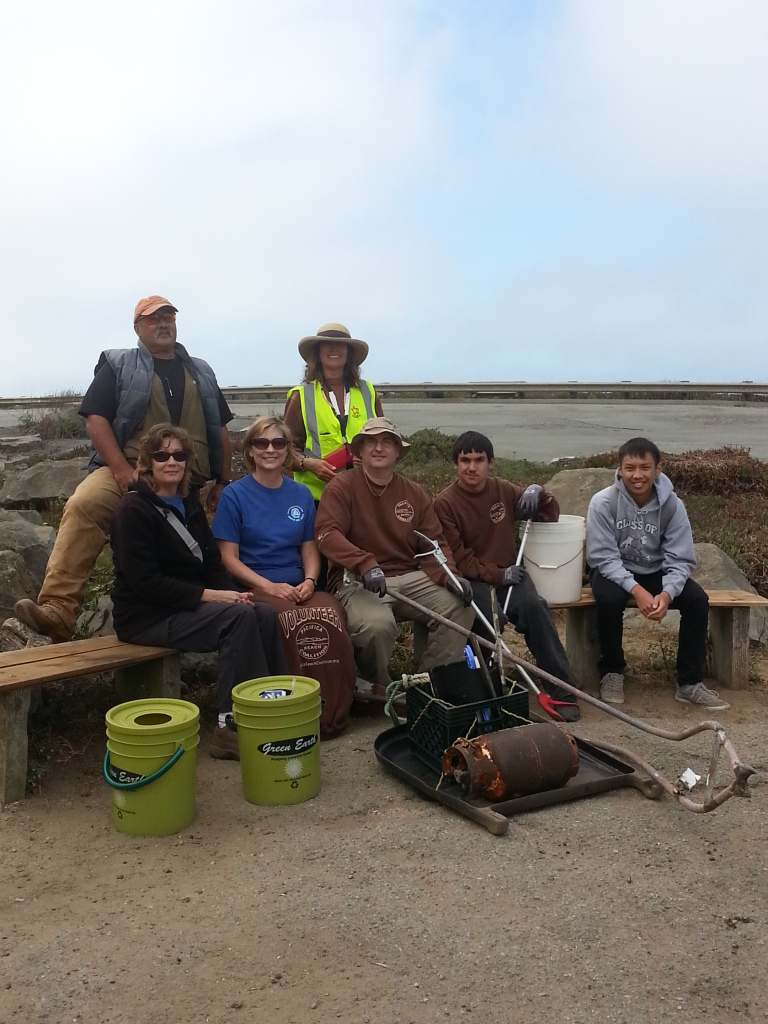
x,y
530,615
247,639
693,604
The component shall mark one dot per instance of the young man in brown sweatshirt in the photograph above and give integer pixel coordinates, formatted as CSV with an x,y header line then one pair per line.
x,y
477,513
365,525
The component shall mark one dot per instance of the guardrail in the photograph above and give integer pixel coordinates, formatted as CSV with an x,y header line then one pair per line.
x,y
489,391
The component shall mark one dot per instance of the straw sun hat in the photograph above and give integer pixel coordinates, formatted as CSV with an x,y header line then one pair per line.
x,y
333,332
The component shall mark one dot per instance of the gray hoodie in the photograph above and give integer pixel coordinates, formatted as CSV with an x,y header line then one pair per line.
x,y
632,546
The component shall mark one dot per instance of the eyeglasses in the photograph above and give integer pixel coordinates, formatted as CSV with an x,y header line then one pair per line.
x,y
262,443
156,318
163,455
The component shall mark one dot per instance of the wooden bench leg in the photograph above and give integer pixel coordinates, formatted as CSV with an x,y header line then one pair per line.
x,y
729,631
14,706
161,678
582,647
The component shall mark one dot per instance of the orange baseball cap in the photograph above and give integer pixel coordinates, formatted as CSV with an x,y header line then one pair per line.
x,y
150,305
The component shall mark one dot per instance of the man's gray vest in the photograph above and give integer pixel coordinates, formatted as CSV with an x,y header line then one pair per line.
x,y
134,369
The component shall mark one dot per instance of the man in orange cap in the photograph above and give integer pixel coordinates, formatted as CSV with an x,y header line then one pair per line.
x,y
132,390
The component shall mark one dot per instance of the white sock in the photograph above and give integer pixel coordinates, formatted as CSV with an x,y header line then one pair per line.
x,y
223,719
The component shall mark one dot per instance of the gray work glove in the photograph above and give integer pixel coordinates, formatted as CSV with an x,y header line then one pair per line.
x,y
375,581
513,575
461,588
529,502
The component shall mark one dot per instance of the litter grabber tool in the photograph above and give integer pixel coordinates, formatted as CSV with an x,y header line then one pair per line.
x,y
546,702
519,559
712,797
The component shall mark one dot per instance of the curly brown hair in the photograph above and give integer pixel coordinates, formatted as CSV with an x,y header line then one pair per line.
x,y
152,442
257,429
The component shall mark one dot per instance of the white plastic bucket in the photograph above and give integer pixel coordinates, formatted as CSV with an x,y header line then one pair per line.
x,y
554,558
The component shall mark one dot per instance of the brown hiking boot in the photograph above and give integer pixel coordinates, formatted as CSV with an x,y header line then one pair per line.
x,y
41,620
224,744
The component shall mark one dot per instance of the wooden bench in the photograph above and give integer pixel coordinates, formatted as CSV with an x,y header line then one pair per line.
x,y
728,631
139,671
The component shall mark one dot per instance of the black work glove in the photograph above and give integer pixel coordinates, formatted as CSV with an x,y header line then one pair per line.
x,y
461,588
513,575
375,581
529,502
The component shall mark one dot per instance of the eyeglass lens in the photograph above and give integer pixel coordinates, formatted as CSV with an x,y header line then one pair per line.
x,y
156,318
262,443
163,456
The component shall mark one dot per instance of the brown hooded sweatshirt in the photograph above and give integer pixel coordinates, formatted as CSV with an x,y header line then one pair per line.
x,y
360,526
480,527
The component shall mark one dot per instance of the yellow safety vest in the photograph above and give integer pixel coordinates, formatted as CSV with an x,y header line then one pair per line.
x,y
322,426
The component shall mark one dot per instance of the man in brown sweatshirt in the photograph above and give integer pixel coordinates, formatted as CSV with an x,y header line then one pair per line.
x,y
477,513
365,525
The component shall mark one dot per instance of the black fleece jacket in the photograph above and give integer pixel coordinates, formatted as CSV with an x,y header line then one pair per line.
x,y
155,572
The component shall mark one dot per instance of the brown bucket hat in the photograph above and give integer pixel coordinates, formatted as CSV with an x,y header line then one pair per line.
x,y
378,425
145,307
333,332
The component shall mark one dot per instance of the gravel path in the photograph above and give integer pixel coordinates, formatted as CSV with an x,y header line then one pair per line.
x,y
370,903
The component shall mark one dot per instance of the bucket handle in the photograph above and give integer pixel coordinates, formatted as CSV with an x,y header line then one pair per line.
x,y
562,565
144,780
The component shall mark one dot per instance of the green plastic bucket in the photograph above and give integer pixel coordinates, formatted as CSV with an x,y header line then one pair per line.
x,y
278,731
150,765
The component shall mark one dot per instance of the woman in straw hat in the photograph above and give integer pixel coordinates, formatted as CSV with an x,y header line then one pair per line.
x,y
329,407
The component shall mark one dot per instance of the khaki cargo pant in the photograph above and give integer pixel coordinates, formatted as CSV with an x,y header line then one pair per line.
x,y
83,532
372,623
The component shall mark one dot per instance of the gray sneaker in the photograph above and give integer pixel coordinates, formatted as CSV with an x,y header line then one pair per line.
x,y
612,688
699,696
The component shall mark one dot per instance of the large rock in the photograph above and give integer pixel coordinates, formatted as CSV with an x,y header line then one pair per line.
x,y
43,482
717,571
96,621
574,488
16,581
32,543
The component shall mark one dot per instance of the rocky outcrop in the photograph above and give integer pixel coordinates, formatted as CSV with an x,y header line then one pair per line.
x,y
32,542
715,570
574,488
43,482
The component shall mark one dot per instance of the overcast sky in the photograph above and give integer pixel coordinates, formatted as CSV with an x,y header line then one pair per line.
x,y
481,190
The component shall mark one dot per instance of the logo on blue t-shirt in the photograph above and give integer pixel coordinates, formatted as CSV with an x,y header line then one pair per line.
x,y
296,513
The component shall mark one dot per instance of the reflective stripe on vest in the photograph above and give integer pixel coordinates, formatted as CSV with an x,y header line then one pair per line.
x,y
314,407
309,406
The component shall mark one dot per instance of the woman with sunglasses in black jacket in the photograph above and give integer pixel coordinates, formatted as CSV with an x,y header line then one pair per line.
x,y
170,587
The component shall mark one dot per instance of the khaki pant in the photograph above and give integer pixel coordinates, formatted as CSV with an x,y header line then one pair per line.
x,y
372,623
83,532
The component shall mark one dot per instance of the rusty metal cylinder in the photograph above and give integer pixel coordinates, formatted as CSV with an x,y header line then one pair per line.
x,y
513,762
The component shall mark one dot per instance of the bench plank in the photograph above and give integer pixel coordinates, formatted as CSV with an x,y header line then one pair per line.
x,y
717,599
78,657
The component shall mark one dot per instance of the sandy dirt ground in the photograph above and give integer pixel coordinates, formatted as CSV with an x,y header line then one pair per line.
x,y
372,904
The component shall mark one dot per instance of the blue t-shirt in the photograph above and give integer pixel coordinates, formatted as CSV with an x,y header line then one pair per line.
x,y
269,525
178,503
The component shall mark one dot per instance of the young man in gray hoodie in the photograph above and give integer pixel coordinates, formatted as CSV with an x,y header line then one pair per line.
x,y
639,543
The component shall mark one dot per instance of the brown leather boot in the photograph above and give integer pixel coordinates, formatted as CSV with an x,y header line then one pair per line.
x,y
41,620
224,744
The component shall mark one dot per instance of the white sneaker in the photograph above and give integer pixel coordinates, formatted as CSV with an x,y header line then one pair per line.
x,y
612,688
700,696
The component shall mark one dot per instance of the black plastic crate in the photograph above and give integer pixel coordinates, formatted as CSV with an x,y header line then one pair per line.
x,y
433,726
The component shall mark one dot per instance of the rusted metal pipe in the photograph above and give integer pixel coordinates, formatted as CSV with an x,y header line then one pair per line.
x,y
513,762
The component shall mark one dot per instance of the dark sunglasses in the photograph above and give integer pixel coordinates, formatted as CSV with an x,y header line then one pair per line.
x,y
262,443
163,456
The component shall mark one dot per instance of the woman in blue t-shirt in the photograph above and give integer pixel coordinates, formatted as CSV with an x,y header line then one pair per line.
x,y
264,526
